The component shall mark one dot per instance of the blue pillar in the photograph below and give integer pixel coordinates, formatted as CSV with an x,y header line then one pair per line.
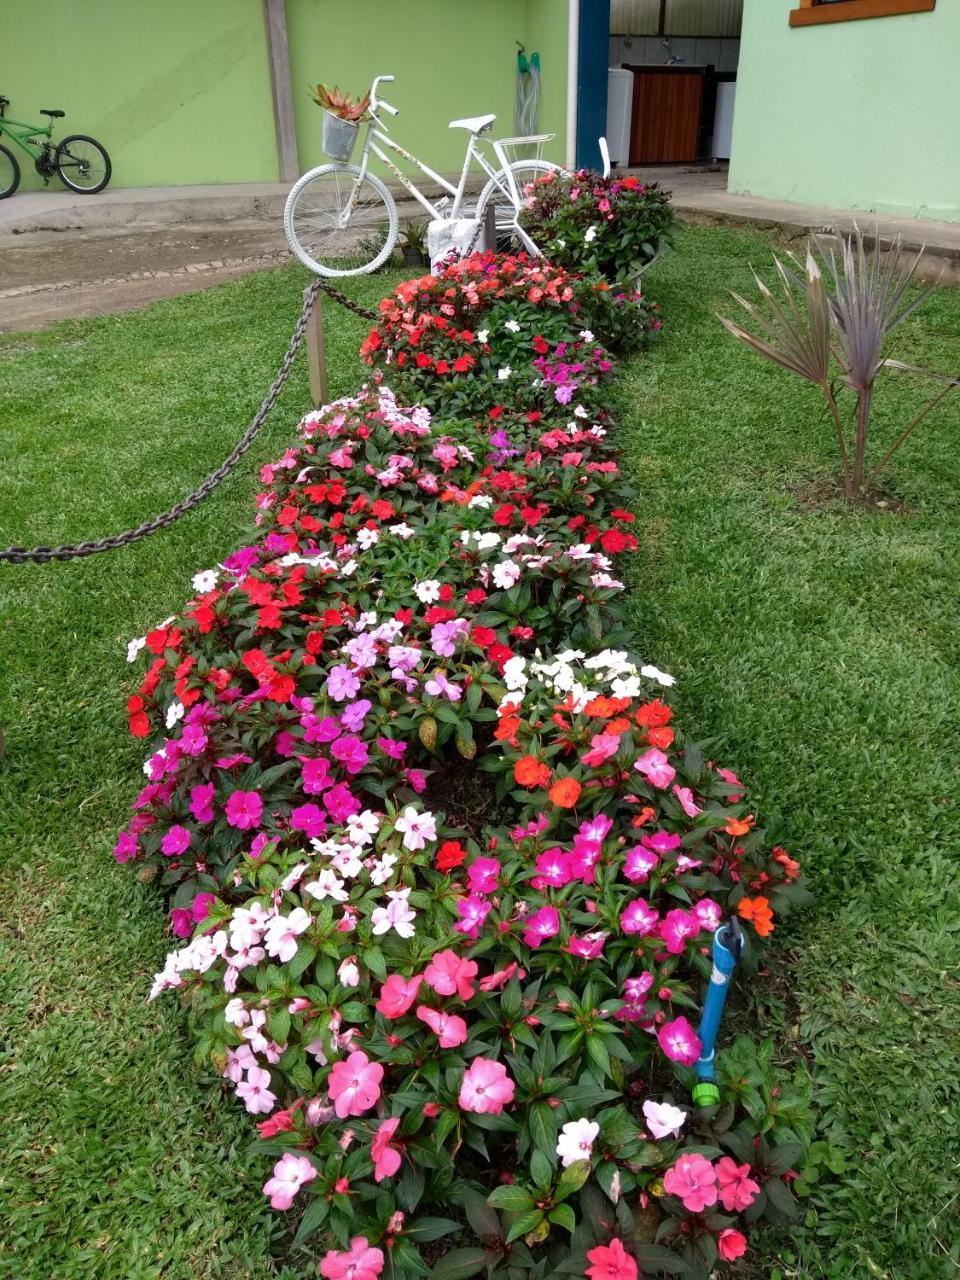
x,y
594,45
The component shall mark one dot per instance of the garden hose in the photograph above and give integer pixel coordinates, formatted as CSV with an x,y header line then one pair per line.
x,y
727,947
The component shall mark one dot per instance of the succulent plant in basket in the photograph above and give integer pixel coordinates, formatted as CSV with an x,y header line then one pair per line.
x,y
341,104
413,242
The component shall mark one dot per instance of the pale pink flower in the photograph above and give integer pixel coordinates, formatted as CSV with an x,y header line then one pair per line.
x,y
283,932
397,915
360,1263
655,768
255,1092
576,1141
451,974
451,1029
687,802
289,1175
662,1119
486,1088
416,828
354,1085
386,1159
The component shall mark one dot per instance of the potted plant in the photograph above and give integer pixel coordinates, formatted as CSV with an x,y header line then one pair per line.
x,y
341,119
412,242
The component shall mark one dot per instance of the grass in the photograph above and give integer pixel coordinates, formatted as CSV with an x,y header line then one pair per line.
x,y
819,645
118,1159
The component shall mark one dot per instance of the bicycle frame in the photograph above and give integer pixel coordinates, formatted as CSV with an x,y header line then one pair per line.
x,y
377,138
23,135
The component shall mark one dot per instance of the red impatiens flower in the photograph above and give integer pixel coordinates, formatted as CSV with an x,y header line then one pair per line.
x,y
531,772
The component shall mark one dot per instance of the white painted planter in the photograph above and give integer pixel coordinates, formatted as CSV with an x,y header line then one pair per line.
x,y
339,136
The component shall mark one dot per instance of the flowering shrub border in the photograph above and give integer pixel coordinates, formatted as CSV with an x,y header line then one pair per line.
x,y
444,870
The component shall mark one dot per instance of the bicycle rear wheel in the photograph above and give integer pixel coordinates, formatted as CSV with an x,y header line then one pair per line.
x,y
338,224
9,173
83,165
497,192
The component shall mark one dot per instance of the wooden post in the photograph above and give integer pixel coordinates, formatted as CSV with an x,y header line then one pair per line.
x,y
316,352
275,20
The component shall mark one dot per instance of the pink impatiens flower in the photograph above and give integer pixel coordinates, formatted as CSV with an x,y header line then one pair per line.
x,y
654,766
731,1245
451,1029
737,1189
638,864
694,1180
398,994
676,927
289,1175
482,875
255,1092
386,1158
611,1262
486,1088
451,974
360,1263
354,1085
638,917
679,1041
177,840
244,809
543,924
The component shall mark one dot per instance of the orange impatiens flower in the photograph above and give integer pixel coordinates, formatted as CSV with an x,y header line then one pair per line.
x,y
654,713
660,736
565,793
791,868
759,912
739,826
531,772
604,707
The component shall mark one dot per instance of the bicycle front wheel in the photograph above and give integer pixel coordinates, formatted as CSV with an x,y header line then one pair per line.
x,y
9,173
83,165
510,237
339,224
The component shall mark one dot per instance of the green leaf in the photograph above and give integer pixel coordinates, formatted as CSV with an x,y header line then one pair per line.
x,y
573,1178
512,1198
541,1169
483,1219
564,1216
460,1264
431,1229
316,1212
525,1223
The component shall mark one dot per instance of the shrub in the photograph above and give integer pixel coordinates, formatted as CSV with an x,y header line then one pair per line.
x,y
445,869
612,227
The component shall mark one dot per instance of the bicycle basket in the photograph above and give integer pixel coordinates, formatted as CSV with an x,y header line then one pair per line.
x,y
339,136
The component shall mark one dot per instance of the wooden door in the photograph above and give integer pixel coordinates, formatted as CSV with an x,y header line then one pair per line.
x,y
666,115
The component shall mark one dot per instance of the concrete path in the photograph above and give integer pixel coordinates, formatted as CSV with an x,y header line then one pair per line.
x,y
65,255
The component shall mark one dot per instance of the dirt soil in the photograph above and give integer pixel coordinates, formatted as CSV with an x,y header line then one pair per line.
x,y
46,276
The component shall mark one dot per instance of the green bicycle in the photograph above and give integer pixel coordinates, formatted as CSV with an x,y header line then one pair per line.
x,y
81,162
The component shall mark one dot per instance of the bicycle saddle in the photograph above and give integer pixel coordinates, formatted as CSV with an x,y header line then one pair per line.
x,y
476,124
53,114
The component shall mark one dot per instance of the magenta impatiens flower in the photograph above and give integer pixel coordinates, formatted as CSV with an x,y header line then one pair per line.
x,y
289,1175
177,840
354,1085
486,1088
543,924
737,1189
361,1262
638,917
679,1041
694,1180
676,927
244,809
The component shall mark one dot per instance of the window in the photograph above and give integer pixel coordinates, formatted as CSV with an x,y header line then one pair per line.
x,y
812,12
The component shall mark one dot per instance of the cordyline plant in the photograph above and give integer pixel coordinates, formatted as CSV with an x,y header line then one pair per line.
x,y
340,104
814,327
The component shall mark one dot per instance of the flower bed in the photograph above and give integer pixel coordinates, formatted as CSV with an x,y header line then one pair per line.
x,y
445,869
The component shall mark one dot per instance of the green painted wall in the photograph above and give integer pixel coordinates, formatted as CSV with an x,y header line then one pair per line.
x,y
178,91
451,58
857,115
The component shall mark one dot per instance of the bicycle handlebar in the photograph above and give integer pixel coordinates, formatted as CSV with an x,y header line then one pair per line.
x,y
377,103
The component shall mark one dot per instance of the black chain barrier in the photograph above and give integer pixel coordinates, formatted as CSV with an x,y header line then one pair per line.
x,y
71,551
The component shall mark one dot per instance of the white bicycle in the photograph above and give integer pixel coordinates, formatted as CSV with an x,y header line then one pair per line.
x,y
341,220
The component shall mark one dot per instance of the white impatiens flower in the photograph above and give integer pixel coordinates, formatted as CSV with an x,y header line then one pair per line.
x,y
662,1119
586,335
416,828
580,411
204,581
512,325
515,673
235,1014
506,574
175,713
134,647
362,827
590,234
367,538
349,973
483,335
346,860
282,932
576,1141
398,915
504,373
401,530
427,592
327,885
480,500
661,677
382,868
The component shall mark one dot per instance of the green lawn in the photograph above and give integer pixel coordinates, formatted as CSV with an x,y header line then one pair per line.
x,y
819,646
117,1160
